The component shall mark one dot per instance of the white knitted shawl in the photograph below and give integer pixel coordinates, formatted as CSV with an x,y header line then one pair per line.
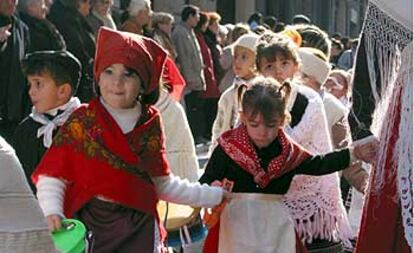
x,y
315,202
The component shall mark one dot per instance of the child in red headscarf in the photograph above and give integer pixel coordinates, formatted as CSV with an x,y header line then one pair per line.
x,y
107,165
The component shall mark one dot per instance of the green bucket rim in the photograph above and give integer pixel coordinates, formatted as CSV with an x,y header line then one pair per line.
x,y
71,238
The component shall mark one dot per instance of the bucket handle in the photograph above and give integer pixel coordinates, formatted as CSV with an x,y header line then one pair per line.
x,y
68,225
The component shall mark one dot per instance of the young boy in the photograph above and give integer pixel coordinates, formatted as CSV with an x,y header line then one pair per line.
x,y
244,60
53,77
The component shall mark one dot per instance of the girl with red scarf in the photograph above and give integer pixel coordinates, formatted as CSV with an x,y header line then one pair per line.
x,y
260,160
107,165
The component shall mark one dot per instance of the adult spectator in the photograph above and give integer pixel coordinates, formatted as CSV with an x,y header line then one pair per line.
x,y
206,32
280,26
211,36
255,20
139,17
346,60
43,34
271,22
191,65
100,15
346,42
223,32
336,51
162,23
69,16
301,19
14,44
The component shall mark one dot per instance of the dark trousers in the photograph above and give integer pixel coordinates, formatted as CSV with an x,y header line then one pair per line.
x,y
194,108
210,113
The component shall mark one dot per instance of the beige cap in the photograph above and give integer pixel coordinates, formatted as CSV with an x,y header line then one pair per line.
x,y
312,65
248,40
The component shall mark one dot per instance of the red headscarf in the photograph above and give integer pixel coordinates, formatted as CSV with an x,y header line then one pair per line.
x,y
139,53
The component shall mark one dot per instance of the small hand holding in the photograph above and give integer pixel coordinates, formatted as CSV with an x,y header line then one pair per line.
x,y
54,222
367,152
211,217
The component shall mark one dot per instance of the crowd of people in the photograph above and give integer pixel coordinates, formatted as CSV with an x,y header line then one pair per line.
x,y
103,105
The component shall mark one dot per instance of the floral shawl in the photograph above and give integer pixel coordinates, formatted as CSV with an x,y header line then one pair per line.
x,y
94,158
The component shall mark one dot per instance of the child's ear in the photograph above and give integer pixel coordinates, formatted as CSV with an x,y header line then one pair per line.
x,y
65,91
296,67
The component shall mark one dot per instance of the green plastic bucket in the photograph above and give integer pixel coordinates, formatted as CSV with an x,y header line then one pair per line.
x,y
71,238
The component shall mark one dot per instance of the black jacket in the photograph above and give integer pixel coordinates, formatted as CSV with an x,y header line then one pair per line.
x,y
43,34
14,101
80,41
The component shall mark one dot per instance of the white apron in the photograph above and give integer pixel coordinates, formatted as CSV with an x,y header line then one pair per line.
x,y
256,223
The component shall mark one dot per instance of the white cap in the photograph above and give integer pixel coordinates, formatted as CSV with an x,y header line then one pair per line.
x,y
312,65
248,41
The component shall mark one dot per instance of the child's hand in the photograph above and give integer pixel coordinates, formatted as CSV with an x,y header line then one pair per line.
x,y
367,152
54,222
216,183
226,196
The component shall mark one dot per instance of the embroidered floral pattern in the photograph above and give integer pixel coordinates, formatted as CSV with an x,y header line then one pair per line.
x,y
150,139
84,134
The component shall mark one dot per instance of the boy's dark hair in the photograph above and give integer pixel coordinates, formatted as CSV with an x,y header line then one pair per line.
x,y
272,46
62,66
188,10
267,97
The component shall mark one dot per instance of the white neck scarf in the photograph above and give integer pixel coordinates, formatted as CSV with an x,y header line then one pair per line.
x,y
50,125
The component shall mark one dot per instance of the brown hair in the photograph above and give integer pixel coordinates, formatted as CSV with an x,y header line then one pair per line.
x,y
239,30
161,18
267,97
204,18
271,46
213,17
